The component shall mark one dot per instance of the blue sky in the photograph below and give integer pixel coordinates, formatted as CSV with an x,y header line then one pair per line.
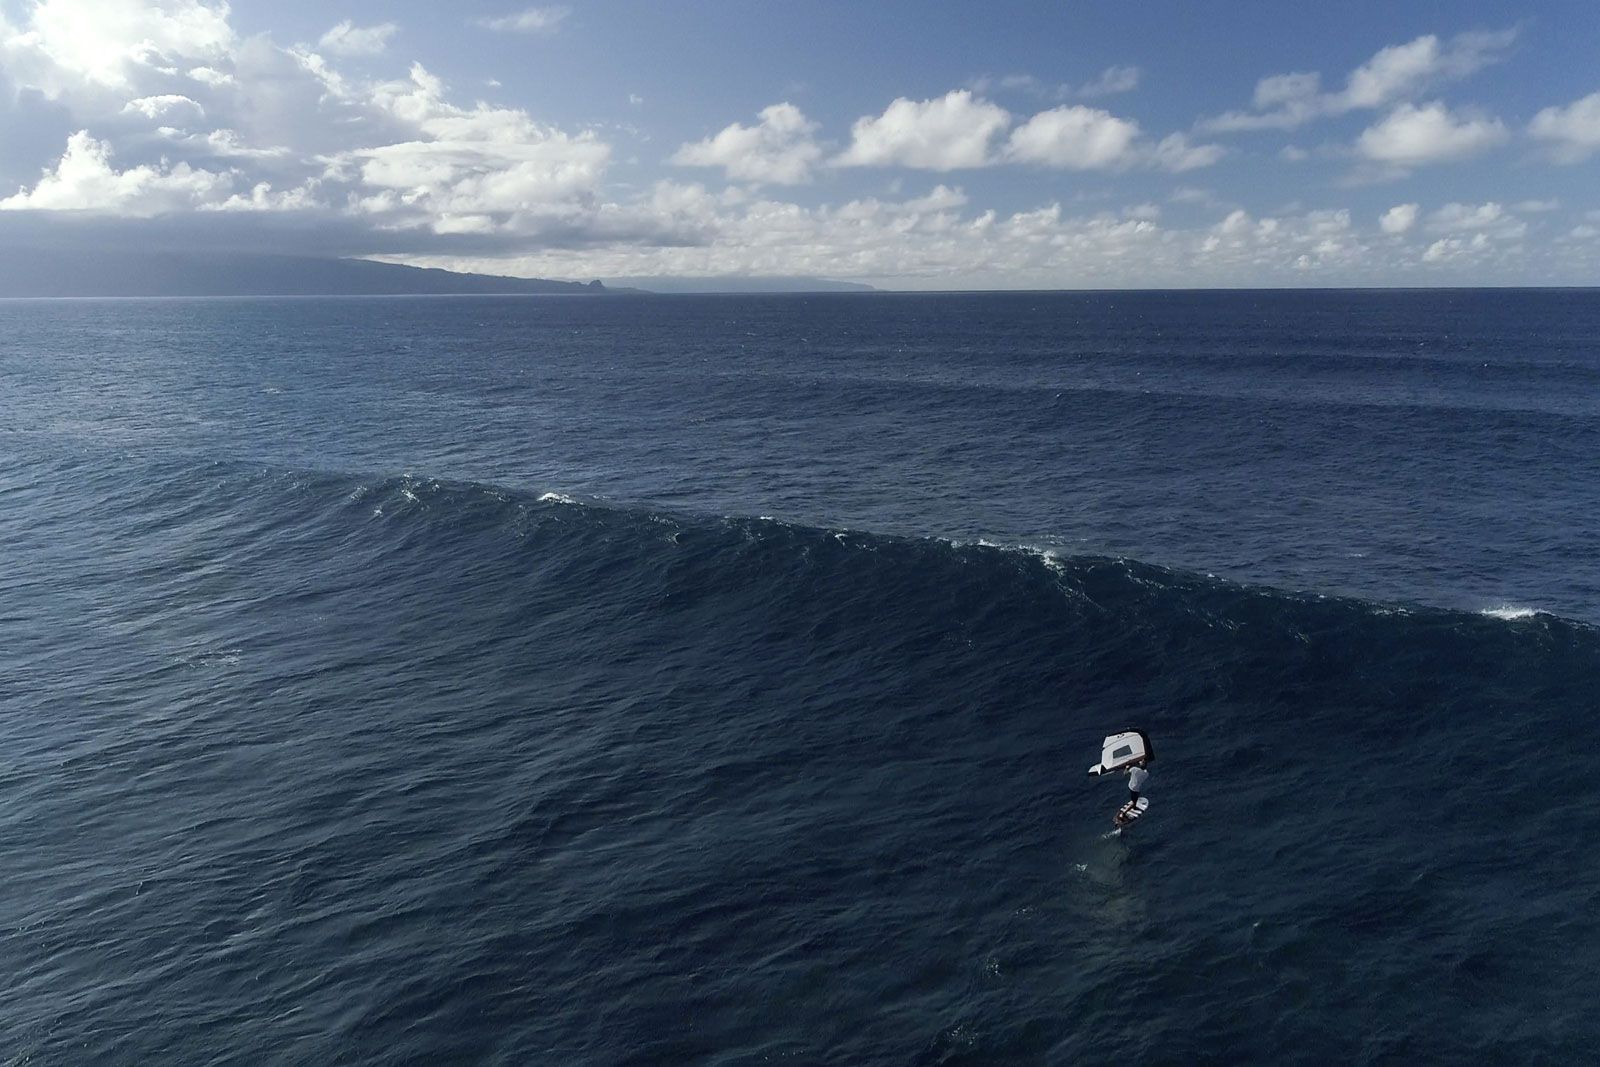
x,y
910,145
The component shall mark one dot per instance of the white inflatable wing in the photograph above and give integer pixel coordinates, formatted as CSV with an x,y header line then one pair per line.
x,y
1119,750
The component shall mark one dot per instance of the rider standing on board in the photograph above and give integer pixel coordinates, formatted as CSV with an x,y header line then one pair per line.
x,y
1136,778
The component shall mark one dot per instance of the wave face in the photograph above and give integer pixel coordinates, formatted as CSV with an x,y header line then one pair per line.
x,y
1421,447
311,767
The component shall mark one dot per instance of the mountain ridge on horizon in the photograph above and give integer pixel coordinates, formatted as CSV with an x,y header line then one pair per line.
x,y
123,273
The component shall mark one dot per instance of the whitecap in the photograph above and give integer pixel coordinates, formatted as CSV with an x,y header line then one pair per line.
x,y
556,498
1509,612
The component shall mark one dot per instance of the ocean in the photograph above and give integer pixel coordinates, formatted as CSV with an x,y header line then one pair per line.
x,y
712,680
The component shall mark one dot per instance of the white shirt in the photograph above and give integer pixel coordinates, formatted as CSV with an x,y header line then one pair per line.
x,y
1136,777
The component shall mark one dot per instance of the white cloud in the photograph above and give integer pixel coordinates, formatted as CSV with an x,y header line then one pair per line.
x,y
67,44
211,76
1536,207
222,144
1490,219
1448,249
1401,70
946,133
1412,135
1073,138
156,106
1309,244
923,240
1109,82
395,152
404,164
529,20
779,149
1573,132
480,169
1395,73
262,198
959,130
84,180
1174,153
1466,216
1112,80
939,240
1399,218
348,39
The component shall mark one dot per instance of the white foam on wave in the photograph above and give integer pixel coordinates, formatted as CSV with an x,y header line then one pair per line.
x,y
556,498
222,657
1509,612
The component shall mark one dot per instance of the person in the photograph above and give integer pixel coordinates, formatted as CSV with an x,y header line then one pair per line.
x,y
1136,778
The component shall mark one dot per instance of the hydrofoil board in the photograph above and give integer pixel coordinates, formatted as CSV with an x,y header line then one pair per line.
x,y
1131,811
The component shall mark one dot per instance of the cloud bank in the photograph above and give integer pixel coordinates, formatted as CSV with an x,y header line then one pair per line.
x,y
157,124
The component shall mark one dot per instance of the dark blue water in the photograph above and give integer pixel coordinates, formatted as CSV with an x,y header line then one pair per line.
x,y
712,680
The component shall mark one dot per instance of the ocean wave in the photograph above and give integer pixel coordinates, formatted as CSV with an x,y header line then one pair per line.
x,y
520,507
494,732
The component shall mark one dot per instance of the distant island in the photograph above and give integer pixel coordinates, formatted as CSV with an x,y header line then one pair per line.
x,y
126,273
56,273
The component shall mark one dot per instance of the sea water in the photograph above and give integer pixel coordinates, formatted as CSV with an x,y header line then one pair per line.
x,y
712,679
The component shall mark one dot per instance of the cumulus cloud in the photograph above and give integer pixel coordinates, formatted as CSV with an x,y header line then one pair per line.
x,y
1573,131
1315,243
296,134
105,44
152,107
1395,73
947,133
84,180
1074,138
1448,249
1111,80
940,239
201,136
931,238
348,39
1174,153
779,149
210,76
528,20
479,169
1399,218
1490,219
959,130
1411,135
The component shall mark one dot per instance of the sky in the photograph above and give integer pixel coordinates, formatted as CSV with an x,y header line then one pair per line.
x,y
902,143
